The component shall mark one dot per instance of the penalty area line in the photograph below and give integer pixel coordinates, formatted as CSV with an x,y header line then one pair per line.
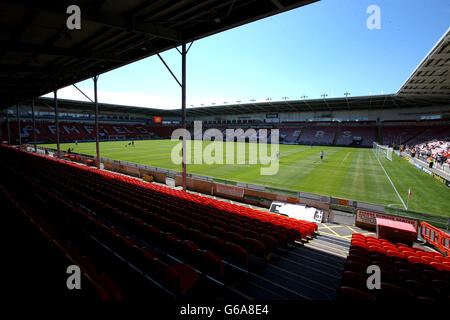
x,y
395,189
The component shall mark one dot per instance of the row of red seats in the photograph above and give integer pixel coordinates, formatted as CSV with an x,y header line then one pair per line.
x,y
304,227
103,208
178,277
404,272
75,130
179,223
413,255
230,247
101,283
164,218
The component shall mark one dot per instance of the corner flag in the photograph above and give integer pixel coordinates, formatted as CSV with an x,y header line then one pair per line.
x,y
409,196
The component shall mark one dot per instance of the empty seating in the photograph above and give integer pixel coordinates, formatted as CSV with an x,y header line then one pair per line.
x,y
148,234
406,273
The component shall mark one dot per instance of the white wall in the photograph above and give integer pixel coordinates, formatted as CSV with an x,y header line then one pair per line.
x,y
413,113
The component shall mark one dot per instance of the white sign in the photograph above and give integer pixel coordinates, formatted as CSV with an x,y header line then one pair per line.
x,y
297,211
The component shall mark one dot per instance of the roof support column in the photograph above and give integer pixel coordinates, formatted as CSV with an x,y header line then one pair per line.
x,y
18,123
34,124
58,153
97,145
182,84
183,108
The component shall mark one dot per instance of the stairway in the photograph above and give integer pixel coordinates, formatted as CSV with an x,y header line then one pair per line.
x,y
338,131
311,271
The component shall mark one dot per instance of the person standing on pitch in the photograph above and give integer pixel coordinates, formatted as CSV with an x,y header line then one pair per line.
x,y
321,155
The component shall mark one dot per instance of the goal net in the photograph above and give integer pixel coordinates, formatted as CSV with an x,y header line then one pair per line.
x,y
381,150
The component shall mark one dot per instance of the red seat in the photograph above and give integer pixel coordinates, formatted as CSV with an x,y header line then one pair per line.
x,y
87,265
213,243
411,275
147,252
164,274
377,249
251,234
270,242
391,292
422,289
255,247
209,262
406,249
234,237
360,244
439,266
218,232
404,264
188,276
360,251
167,239
443,286
352,294
392,253
391,277
236,254
358,258
111,286
354,280
384,266
195,235
376,255
355,266
281,238
185,249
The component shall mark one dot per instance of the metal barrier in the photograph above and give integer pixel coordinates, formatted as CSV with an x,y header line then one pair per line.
x,y
436,237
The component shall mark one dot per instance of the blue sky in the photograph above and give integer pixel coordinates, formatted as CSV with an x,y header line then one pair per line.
x,y
324,47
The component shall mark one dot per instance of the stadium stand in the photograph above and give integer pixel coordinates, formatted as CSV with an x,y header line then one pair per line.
x,y
399,134
85,131
436,149
424,136
349,134
318,135
406,273
431,133
133,239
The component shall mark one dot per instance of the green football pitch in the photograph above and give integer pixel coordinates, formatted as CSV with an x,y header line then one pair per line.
x,y
349,173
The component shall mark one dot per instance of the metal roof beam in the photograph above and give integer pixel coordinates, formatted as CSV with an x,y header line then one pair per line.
x,y
277,4
92,13
62,52
36,69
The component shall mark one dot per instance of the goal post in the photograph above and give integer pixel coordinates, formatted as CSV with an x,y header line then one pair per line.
x,y
381,150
